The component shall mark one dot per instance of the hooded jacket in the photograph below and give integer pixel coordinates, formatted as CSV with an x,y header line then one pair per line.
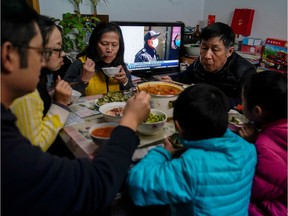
x,y
269,191
212,177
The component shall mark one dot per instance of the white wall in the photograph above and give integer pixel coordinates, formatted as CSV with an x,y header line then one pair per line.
x,y
270,19
188,11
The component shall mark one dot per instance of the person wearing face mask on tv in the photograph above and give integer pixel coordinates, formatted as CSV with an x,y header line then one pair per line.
x,y
175,47
149,52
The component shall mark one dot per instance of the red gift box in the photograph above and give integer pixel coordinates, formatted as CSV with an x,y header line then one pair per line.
x,y
242,21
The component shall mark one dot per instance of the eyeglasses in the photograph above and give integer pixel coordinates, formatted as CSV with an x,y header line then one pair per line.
x,y
51,50
40,50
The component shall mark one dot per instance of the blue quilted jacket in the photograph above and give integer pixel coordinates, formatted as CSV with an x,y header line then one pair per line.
x,y
212,177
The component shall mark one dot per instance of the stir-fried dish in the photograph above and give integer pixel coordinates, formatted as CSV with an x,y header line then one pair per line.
x,y
156,89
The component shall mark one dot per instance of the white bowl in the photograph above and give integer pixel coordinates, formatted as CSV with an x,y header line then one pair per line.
x,y
75,96
192,49
111,71
101,140
155,127
109,106
236,120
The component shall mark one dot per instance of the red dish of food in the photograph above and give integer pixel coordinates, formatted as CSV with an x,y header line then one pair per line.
x,y
104,132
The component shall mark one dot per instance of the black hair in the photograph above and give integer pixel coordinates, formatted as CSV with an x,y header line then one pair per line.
x,y
218,29
267,89
98,31
47,25
202,112
18,26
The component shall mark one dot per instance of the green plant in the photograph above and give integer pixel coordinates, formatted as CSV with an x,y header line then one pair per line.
x,y
75,28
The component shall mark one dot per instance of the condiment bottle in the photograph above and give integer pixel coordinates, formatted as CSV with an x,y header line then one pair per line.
x,y
196,33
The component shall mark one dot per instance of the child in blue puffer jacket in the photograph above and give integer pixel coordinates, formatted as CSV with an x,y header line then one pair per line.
x,y
213,176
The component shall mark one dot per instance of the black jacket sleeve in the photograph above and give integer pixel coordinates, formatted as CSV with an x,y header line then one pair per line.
x,y
73,74
130,83
37,183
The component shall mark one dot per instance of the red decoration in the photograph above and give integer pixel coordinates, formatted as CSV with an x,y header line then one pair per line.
x,y
211,19
242,21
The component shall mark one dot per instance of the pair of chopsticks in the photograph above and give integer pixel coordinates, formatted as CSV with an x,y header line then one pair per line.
x,y
176,83
171,81
73,83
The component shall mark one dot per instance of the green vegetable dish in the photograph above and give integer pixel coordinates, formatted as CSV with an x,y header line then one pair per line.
x,y
234,120
154,118
113,97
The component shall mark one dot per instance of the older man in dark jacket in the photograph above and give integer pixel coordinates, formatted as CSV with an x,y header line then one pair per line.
x,y
218,64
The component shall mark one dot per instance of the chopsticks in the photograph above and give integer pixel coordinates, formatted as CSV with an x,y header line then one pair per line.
x,y
73,83
171,81
176,83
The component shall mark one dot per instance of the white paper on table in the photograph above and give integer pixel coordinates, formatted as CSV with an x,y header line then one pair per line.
x,y
84,109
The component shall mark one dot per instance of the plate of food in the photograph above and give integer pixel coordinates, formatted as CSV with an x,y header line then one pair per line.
x,y
110,97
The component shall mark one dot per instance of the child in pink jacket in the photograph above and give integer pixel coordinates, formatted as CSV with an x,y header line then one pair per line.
x,y
264,99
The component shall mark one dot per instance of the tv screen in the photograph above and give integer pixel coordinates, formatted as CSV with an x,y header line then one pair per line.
x,y
152,48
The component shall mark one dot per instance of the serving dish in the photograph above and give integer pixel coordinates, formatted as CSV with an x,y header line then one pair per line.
x,y
160,101
119,96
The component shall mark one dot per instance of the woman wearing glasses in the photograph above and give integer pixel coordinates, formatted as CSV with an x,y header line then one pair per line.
x,y
105,49
40,117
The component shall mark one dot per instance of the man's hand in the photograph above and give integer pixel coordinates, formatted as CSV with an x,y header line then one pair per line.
x,y
165,78
136,110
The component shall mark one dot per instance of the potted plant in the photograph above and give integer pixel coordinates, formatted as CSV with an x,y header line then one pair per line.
x,y
76,27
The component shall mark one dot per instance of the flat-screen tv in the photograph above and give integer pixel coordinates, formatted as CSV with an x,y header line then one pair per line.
x,y
167,53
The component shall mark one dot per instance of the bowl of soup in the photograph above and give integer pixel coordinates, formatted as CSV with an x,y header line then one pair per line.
x,y
101,132
163,95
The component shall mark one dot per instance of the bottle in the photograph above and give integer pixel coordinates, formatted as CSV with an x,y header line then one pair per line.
x,y
196,34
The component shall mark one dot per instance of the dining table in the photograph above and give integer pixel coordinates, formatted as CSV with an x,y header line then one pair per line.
x,y
84,114
75,134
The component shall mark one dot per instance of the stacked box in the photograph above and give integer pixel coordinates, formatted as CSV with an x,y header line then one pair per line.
x,y
275,55
252,46
252,41
253,50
